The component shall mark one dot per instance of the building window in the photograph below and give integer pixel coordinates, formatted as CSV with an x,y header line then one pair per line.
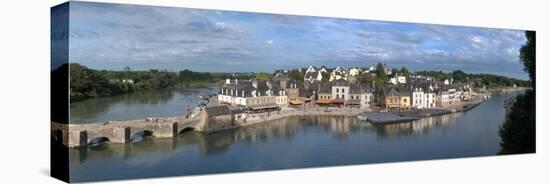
x,y
343,90
337,90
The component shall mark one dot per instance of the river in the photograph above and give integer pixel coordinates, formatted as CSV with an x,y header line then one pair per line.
x,y
137,105
282,144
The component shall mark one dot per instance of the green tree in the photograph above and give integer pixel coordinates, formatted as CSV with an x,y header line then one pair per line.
x,y
404,71
262,76
381,71
527,56
518,133
326,77
296,75
394,72
459,75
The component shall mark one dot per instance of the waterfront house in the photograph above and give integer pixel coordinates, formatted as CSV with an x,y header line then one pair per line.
x,y
366,96
405,99
354,99
324,94
429,96
418,100
390,98
292,90
340,90
234,92
447,96
253,94
215,117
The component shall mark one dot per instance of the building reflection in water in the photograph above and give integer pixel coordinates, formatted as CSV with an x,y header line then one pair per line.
x,y
422,126
151,151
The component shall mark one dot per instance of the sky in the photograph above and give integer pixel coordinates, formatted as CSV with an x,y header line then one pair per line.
x,y
112,36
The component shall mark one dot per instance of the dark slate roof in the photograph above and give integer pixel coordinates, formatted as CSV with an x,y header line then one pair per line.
x,y
218,110
366,88
326,88
391,92
354,89
340,82
238,110
314,85
291,81
312,75
262,88
304,93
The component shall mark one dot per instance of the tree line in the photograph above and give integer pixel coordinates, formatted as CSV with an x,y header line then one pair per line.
x,y
89,83
487,80
518,132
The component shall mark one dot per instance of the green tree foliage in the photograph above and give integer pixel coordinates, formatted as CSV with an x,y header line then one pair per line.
x,y
518,133
88,83
296,75
380,71
326,77
404,71
360,78
394,71
262,76
487,80
459,75
527,56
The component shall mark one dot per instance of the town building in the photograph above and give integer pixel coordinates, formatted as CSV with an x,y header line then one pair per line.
x,y
340,89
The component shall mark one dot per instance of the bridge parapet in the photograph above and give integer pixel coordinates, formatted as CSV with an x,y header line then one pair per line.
x,y
78,135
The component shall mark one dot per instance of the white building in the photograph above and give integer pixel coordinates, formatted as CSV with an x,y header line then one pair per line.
x,y
340,89
398,80
401,79
354,71
418,98
366,97
313,76
430,97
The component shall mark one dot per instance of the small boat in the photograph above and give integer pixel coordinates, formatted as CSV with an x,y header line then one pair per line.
x,y
362,117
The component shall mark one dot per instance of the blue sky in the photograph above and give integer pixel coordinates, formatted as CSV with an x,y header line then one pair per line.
x,y
111,36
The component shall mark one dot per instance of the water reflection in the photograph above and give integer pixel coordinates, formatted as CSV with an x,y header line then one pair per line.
x,y
296,143
136,105
422,126
150,150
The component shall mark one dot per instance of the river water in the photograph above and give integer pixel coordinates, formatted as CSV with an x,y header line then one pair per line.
x,y
281,144
138,105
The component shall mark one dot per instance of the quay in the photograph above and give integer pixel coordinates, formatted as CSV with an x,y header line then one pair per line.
x,y
407,116
217,118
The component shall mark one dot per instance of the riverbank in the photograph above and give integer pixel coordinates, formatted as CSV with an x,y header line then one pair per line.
x,y
179,85
170,126
406,116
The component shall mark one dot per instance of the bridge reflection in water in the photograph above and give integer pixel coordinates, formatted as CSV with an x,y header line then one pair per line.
x,y
295,143
150,150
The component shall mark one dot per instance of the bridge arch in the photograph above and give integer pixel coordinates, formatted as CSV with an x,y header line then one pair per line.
x,y
186,129
138,135
98,140
57,135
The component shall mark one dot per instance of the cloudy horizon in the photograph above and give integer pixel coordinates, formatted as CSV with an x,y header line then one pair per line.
x,y
112,36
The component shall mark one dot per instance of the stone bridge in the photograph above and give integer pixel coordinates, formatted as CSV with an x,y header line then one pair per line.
x,y
78,135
